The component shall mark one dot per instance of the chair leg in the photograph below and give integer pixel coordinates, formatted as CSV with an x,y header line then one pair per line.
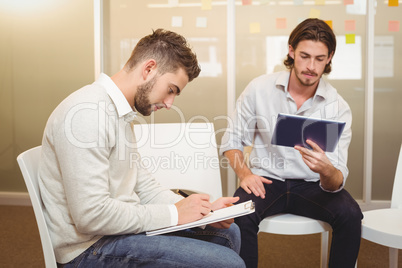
x,y
393,257
324,249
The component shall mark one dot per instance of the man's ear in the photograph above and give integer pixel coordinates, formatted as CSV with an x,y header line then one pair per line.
x,y
148,68
330,57
291,52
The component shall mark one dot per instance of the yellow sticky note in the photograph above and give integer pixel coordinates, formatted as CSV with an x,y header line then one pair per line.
x,y
247,2
329,22
314,13
280,23
350,25
350,38
393,3
319,2
255,27
206,4
393,26
348,2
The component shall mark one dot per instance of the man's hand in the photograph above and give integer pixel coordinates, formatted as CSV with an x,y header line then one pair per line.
x,y
222,203
248,181
193,208
316,159
254,184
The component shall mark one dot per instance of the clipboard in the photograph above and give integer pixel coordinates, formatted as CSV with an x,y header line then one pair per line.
x,y
234,211
291,130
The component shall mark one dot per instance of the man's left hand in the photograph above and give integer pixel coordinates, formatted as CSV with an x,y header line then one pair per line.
x,y
222,203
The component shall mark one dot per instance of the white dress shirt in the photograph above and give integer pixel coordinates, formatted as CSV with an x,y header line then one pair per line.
x,y
254,119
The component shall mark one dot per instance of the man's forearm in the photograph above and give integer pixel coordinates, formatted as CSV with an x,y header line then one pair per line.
x,y
237,162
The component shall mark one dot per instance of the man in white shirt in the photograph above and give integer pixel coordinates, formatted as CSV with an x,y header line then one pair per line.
x,y
98,204
295,180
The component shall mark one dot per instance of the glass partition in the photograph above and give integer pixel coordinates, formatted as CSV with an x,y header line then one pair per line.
x,y
203,23
387,97
262,30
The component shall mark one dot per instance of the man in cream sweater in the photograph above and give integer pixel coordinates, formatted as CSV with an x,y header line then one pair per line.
x,y
97,204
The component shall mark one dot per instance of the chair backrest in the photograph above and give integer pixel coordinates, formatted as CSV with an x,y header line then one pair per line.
x,y
181,156
396,201
29,162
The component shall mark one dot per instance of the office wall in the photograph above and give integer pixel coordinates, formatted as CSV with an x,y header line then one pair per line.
x,y
46,52
261,29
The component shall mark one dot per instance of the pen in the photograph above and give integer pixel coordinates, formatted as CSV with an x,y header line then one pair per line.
x,y
180,192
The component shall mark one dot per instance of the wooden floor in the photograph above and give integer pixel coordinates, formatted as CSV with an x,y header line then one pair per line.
x,y
20,245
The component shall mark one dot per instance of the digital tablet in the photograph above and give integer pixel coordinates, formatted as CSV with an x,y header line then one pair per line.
x,y
291,130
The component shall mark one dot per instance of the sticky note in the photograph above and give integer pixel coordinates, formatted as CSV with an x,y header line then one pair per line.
x,y
255,27
329,22
206,4
393,3
298,2
319,2
348,2
350,38
280,23
393,26
177,21
264,2
314,13
201,22
350,25
247,2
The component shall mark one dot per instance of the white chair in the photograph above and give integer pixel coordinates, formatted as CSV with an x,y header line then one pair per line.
x,y
290,224
28,162
384,226
181,156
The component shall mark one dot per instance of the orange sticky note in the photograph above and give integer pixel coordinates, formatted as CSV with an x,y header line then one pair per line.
x,y
393,3
350,38
348,2
206,4
314,13
280,23
350,25
393,26
247,2
329,22
255,27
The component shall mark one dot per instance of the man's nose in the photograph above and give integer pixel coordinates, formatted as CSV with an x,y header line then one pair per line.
x,y
169,101
312,65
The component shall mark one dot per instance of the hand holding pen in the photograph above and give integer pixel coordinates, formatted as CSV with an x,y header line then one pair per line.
x,y
218,204
193,208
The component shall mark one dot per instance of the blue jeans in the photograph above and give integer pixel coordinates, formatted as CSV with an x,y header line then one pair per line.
x,y
211,248
303,198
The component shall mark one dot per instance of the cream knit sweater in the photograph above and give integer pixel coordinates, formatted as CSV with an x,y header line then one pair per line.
x,y
90,185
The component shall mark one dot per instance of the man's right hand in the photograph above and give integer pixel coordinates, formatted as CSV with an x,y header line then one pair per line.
x,y
254,184
193,208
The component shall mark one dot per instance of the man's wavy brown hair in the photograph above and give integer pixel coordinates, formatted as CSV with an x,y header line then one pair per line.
x,y
315,30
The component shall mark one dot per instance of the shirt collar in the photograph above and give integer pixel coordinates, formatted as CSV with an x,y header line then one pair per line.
x,y
283,81
122,106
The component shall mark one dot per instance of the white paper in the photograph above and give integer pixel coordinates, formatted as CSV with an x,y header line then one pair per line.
x,y
218,215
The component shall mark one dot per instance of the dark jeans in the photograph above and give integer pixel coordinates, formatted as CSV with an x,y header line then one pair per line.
x,y
303,198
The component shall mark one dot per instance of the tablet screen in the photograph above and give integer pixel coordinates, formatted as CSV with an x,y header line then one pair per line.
x,y
291,130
